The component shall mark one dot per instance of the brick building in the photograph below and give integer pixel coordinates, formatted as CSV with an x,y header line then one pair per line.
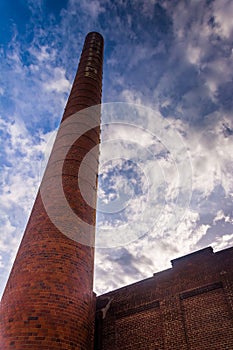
x,y
187,307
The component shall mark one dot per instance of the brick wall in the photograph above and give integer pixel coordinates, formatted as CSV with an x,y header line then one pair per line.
x,y
48,302
187,307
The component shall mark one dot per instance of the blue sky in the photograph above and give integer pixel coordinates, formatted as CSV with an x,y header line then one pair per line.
x,y
173,62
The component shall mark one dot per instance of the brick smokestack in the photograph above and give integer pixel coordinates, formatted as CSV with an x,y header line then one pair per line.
x,y
48,302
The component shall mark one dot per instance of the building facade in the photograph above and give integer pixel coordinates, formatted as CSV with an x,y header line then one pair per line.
x,y
187,307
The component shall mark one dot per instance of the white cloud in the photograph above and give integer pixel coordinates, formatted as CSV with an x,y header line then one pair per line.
x,y
42,53
194,54
132,96
21,172
223,242
223,11
59,82
147,255
198,28
93,8
221,216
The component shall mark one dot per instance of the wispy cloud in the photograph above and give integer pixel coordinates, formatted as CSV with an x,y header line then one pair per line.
x,y
21,171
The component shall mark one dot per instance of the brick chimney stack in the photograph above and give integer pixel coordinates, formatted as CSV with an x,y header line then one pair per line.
x,y
48,302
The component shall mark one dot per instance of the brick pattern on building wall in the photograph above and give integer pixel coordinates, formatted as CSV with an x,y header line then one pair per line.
x,y
187,307
48,302
208,321
143,328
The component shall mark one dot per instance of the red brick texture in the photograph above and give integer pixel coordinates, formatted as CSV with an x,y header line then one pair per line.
x,y
48,302
187,307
